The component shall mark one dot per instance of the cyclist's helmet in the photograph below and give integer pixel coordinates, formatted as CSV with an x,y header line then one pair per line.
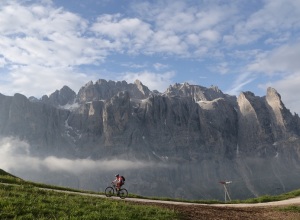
x,y
117,175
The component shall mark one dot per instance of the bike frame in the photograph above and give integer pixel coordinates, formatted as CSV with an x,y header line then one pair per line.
x,y
122,192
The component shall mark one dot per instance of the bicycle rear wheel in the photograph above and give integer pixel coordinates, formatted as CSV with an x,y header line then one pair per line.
x,y
123,193
109,191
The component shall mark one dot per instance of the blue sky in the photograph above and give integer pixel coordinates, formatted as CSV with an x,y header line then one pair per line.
x,y
237,45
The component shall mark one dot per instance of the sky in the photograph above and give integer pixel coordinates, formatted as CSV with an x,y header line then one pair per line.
x,y
237,45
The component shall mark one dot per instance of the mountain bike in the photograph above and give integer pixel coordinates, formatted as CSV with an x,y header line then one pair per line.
x,y
112,190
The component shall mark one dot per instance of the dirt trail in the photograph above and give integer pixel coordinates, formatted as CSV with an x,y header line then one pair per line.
x,y
195,211
198,212
265,211
293,201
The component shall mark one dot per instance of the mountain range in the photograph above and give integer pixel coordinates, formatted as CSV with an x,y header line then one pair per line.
x,y
180,143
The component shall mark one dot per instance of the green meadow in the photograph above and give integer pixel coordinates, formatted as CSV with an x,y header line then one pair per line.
x,y
21,199
25,200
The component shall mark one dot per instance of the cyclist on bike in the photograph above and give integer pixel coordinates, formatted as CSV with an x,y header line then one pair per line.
x,y
118,182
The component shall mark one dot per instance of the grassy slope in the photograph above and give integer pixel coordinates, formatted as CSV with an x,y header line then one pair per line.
x,y
3,173
25,200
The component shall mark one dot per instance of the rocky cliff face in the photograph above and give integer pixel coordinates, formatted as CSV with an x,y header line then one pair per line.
x,y
60,97
194,136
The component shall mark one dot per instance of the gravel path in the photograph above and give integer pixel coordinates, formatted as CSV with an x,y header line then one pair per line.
x,y
195,211
264,211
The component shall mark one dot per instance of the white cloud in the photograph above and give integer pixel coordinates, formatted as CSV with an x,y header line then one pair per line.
x,y
55,39
283,63
134,65
2,62
41,48
288,88
167,42
45,40
240,82
282,66
44,20
210,35
154,81
278,40
274,17
115,26
284,59
181,29
181,17
15,156
222,68
78,166
159,66
168,27
130,34
30,80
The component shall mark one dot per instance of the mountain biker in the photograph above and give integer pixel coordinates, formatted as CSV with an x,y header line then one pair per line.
x,y
118,182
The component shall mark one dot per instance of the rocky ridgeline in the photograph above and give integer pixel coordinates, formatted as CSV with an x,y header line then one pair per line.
x,y
200,134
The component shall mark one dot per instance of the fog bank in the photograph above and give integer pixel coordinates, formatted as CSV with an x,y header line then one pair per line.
x,y
15,156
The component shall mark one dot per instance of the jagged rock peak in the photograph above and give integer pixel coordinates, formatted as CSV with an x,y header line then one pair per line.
x,y
104,90
33,99
90,83
244,101
142,88
103,82
248,100
276,106
61,97
66,89
248,94
271,92
215,88
198,93
138,82
273,98
20,97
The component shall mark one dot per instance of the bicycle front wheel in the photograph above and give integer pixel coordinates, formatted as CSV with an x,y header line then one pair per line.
x,y
123,193
109,191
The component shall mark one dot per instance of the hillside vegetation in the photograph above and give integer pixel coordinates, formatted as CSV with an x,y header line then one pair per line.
x,y
24,200
20,199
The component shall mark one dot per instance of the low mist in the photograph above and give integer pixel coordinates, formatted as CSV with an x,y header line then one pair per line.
x,y
189,180
15,157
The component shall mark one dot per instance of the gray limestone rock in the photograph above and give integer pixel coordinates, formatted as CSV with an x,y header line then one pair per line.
x,y
193,135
